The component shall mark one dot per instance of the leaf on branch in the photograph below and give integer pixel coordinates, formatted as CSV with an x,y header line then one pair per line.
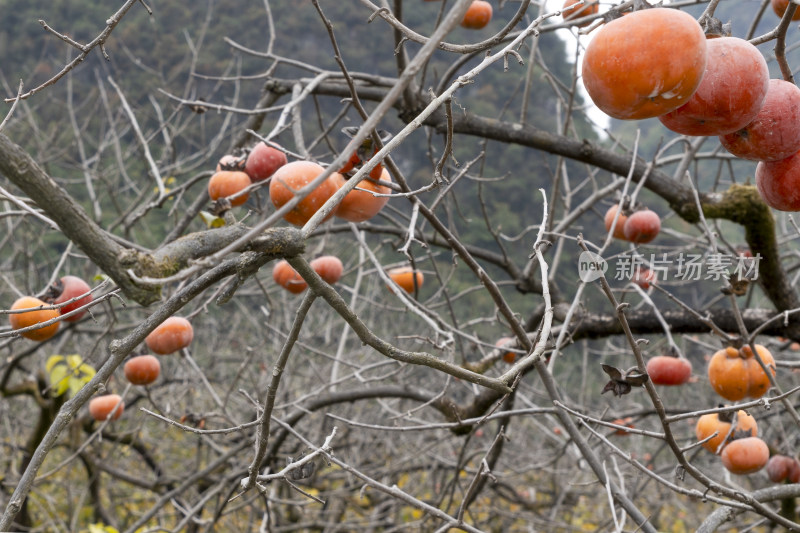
x,y
211,220
68,373
622,382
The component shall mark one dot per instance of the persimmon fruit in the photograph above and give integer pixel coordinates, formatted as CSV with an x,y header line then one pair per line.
x,y
31,318
66,288
644,277
102,406
508,357
626,422
721,423
774,133
668,370
142,369
783,468
735,374
642,226
329,268
357,205
608,220
405,276
293,177
263,161
778,183
730,95
478,15
226,183
780,6
624,67
230,162
745,456
590,7
174,334
284,275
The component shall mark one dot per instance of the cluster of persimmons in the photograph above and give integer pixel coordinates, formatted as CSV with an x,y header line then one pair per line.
x,y
263,162
734,374
712,86
172,335
68,299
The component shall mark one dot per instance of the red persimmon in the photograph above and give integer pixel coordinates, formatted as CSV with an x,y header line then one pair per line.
x,y
173,334
730,95
774,133
642,226
668,370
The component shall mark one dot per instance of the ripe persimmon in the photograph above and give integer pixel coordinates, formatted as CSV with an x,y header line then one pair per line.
x,y
730,95
745,456
735,374
31,318
642,226
358,206
405,276
774,133
142,369
102,406
230,162
65,289
293,177
619,229
263,161
508,357
625,71
329,268
288,278
780,6
783,468
626,422
590,7
478,15
720,423
170,336
227,183
668,370
778,183
644,277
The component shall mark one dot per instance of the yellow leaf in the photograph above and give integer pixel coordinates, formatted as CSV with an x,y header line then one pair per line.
x,y
100,528
52,361
74,386
211,220
68,373
59,379
402,480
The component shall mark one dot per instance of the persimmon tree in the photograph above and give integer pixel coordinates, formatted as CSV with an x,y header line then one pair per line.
x,y
336,364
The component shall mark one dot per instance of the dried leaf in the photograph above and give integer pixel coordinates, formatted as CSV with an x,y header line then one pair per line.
x,y
622,382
